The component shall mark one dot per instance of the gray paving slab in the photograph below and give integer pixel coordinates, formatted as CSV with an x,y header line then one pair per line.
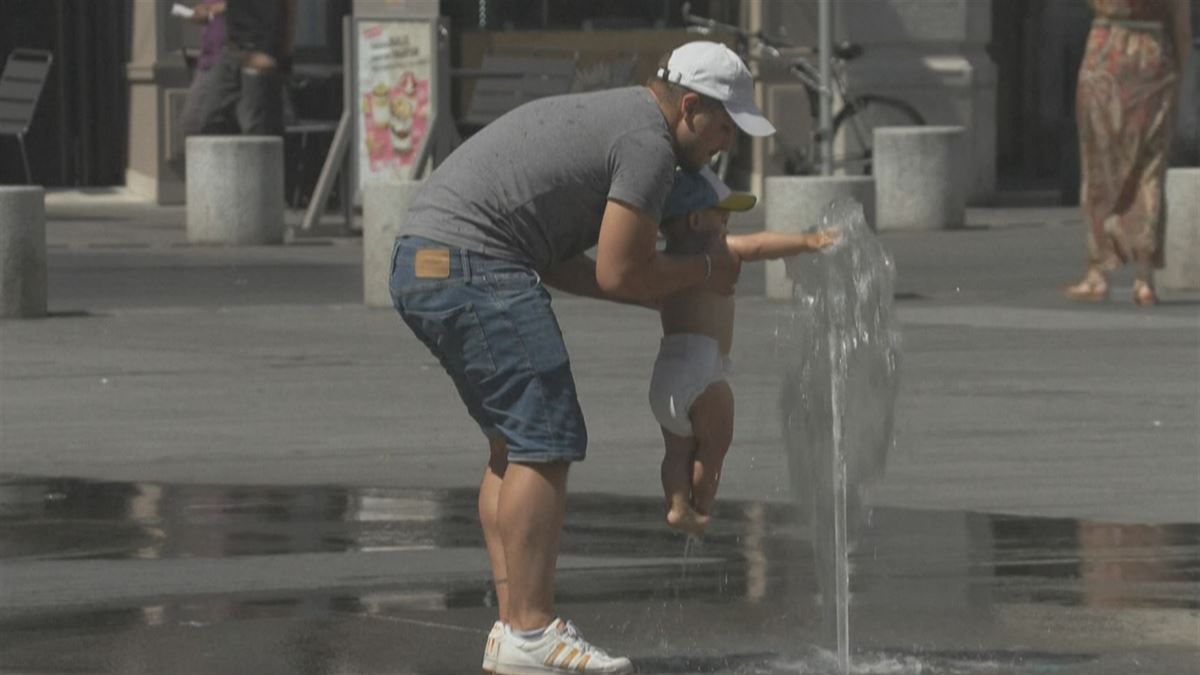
x,y
172,362
1038,512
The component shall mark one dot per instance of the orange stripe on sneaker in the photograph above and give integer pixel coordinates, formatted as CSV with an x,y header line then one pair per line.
x,y
550,659
583,662
566,662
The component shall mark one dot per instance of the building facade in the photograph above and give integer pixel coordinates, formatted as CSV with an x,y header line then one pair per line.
x,y
1004,70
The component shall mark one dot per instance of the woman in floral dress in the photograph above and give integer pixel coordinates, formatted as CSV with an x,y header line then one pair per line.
x,y
1125,109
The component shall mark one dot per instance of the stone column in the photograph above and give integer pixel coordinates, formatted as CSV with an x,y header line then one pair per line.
x,y
385,206
22,252
794,204
920,178
235,190
1181,241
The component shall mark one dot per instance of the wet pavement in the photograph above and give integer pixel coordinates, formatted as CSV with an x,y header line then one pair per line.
x,y
109,577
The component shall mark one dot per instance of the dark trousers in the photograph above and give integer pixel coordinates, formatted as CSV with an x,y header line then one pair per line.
x,y
229,98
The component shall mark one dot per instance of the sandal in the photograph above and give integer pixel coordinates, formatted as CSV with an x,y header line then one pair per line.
x,y
1143,294
1088,290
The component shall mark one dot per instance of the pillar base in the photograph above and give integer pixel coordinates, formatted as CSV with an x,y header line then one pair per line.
x,y
920,177
1181,240
22,252
235,190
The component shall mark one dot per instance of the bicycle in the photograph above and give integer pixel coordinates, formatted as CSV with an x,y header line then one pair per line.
x,y
859,113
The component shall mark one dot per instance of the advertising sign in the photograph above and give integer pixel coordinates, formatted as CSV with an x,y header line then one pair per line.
x,y
394,98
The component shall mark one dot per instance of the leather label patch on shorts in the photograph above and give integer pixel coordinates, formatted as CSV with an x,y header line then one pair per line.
x,y
432,263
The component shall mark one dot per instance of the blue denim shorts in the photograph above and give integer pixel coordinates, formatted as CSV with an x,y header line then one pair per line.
x,y
489,323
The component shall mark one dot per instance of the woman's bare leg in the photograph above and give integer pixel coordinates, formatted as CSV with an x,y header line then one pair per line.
x,y
1143,281
1093,287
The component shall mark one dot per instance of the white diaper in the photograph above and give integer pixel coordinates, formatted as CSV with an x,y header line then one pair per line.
x,y
687,363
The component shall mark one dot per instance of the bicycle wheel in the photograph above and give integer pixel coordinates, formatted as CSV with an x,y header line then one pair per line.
x,y
859,118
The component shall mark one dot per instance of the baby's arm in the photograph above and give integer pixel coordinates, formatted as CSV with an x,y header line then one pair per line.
x,y
775,245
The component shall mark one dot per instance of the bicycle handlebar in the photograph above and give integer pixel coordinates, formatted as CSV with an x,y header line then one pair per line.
x,y
771,45
800,67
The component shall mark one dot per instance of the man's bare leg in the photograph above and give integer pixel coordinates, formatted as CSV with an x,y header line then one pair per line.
x,y
489,506
678,457
533,502
712,422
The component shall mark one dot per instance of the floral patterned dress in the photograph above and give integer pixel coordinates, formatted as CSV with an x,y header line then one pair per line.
x,y
1125,108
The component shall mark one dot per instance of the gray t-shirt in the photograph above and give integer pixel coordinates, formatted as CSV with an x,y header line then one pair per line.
x,y
532,186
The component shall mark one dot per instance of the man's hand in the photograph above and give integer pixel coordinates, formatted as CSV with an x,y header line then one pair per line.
x,y
726,267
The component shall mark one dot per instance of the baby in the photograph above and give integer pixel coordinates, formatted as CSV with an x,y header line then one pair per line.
x,y
689,394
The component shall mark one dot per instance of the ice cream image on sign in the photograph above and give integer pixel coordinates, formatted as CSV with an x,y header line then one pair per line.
x,y
380,112
404,108
401,124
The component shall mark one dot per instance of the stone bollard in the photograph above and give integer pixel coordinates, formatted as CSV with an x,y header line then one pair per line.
x,y
1181,240
920,177
384,208
22,252
235,190
795,203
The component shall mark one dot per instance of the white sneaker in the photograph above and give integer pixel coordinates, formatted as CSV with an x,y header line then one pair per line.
x,y
561,649
492,648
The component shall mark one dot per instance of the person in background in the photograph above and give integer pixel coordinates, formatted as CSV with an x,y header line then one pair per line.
x,y
243,89
211,15
1128,87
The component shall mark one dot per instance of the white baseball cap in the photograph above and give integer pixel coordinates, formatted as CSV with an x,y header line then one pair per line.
x,y
712,69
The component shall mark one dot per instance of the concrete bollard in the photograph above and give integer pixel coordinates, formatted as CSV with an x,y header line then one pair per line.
x,y
22,252
235,190
384,208
1181,240
795,203
920,177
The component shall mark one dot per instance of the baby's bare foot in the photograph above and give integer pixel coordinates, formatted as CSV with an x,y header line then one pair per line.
x,y
687,520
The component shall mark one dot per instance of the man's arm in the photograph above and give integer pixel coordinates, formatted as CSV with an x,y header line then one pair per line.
x,y
775,245
577,276
629,266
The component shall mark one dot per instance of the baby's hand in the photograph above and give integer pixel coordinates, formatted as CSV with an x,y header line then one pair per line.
x,y
825,238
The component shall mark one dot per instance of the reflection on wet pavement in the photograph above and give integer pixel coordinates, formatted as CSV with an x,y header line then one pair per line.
x,y
931,591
